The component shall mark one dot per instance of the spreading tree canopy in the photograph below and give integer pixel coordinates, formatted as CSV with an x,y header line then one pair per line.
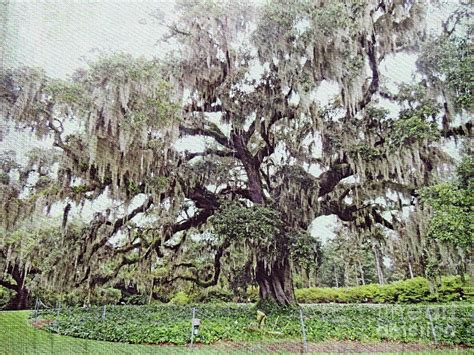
x,y
248,81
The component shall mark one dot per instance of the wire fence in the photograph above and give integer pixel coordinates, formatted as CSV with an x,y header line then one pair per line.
x,y
242,327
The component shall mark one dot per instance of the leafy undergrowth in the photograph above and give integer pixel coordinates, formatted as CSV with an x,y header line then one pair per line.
x,y
18,337
171,324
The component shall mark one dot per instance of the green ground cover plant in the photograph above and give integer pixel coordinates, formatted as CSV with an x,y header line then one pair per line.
x,y
18,336
159,324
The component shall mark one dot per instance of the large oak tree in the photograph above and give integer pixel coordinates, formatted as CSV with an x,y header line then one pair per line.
x,y
248,81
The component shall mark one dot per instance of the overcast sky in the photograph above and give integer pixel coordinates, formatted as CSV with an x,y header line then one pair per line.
x,y
57,35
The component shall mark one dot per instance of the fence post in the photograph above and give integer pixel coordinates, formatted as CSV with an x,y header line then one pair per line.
x,y
404,329
36,310
453,317
303,330
58,310
428,311
192,327
103,312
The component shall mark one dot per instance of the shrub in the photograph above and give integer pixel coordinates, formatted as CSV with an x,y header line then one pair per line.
x,y
108,295
414,290
135,299
74,297
451,289
320,295
180,298
213,295
252,293
468,294
5,296
364,294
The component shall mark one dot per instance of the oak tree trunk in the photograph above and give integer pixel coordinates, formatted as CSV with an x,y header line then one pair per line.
x,y
20,300
275,282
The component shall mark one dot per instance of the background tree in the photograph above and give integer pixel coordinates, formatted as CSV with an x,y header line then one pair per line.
x,y
449,210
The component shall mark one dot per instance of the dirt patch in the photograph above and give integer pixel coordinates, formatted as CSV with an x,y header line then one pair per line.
x,y
41,323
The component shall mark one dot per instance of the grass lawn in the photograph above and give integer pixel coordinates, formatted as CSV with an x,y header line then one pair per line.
x,y
17,336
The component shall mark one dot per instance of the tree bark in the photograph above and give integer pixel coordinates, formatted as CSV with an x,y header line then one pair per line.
x,y
361,272
20,300
275,282
410,267
305,272
22,296
378,262
251,166
346,275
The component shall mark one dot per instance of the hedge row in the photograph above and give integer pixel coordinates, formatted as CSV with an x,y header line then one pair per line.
x,y
415,290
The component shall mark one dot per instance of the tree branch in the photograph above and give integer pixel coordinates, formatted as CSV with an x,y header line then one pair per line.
x,y
118,224
373,63
199,131
219,153
196,279
329,179
9,285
